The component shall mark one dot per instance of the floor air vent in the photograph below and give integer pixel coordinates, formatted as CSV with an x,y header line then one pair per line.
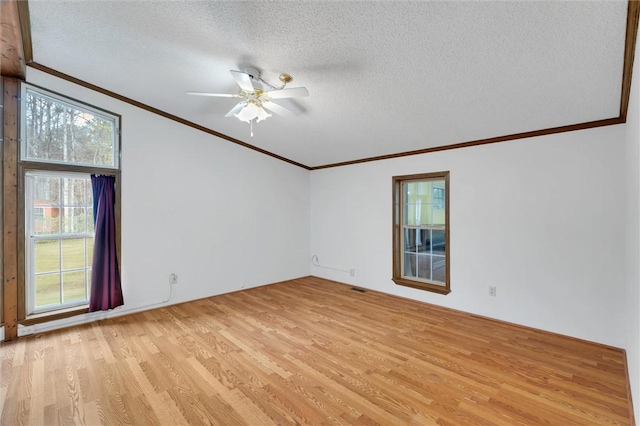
x,y
359,290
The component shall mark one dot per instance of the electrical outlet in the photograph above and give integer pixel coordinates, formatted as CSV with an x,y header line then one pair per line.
x,y
352,271
492,291
173,279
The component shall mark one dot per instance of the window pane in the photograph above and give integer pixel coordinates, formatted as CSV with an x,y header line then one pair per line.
x,y
47,190
46,210
74,220
90,223
439,269
438,197
423,266
74,286
437,242
61,132
49,223
47,289
47,256
89,199
418,207
89,252
73,254
409,264
74,192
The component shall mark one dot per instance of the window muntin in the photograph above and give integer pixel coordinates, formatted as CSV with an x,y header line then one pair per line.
x,y
421,231
67,132
59,239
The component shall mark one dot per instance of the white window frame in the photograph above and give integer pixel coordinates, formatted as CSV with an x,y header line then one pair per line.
x,y
30,246
105,115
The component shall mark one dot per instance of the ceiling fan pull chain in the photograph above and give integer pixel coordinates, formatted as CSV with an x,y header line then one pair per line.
x,y
251,125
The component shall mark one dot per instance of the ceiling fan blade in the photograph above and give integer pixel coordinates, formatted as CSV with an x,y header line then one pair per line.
x,y
218,95
294,92
275,108
289,103
236,109
243,80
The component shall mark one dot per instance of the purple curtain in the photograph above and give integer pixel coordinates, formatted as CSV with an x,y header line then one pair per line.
x,y
106,291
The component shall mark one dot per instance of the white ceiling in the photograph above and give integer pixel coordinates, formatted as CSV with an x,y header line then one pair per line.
x,y
384,77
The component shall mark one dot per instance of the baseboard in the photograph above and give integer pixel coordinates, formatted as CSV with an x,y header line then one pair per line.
x,y
471,314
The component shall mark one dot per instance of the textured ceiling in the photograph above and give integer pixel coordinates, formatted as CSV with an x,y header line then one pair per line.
x,y
384,77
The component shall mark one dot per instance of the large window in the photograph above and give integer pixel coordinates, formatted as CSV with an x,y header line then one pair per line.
x,y
60,232
63,142
421,231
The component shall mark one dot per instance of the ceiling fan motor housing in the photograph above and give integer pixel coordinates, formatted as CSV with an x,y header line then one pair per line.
x,y
253,72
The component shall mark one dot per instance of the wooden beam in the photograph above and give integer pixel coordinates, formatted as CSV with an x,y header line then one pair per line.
x,y
11,91
25,30
633,14
15,31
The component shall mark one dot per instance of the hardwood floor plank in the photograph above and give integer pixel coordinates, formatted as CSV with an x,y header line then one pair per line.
x,y
224,390
37,381
92,415
309,351
160,403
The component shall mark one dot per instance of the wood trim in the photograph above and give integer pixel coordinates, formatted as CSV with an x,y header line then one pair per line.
x,y
10,207
632,418
62,167
54,316
22,307
25,30
422,286
1,208
633,14
161,113
505,138
11,43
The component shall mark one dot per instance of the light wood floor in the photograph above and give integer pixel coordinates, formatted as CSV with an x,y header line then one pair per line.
x,y
314,352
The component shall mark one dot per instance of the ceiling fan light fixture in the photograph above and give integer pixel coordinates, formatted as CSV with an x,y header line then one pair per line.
x,y
262,115
252,112
254,93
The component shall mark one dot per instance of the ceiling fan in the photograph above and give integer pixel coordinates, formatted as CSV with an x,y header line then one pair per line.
x,y
257,96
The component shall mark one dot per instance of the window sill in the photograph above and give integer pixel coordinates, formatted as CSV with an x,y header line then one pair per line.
x,y
434,288
55,315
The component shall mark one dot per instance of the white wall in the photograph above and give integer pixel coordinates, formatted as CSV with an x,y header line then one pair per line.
x,y
220,216
542,219
632,183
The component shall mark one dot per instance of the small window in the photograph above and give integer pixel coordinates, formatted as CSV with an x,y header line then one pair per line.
x,y
67,132
421,231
